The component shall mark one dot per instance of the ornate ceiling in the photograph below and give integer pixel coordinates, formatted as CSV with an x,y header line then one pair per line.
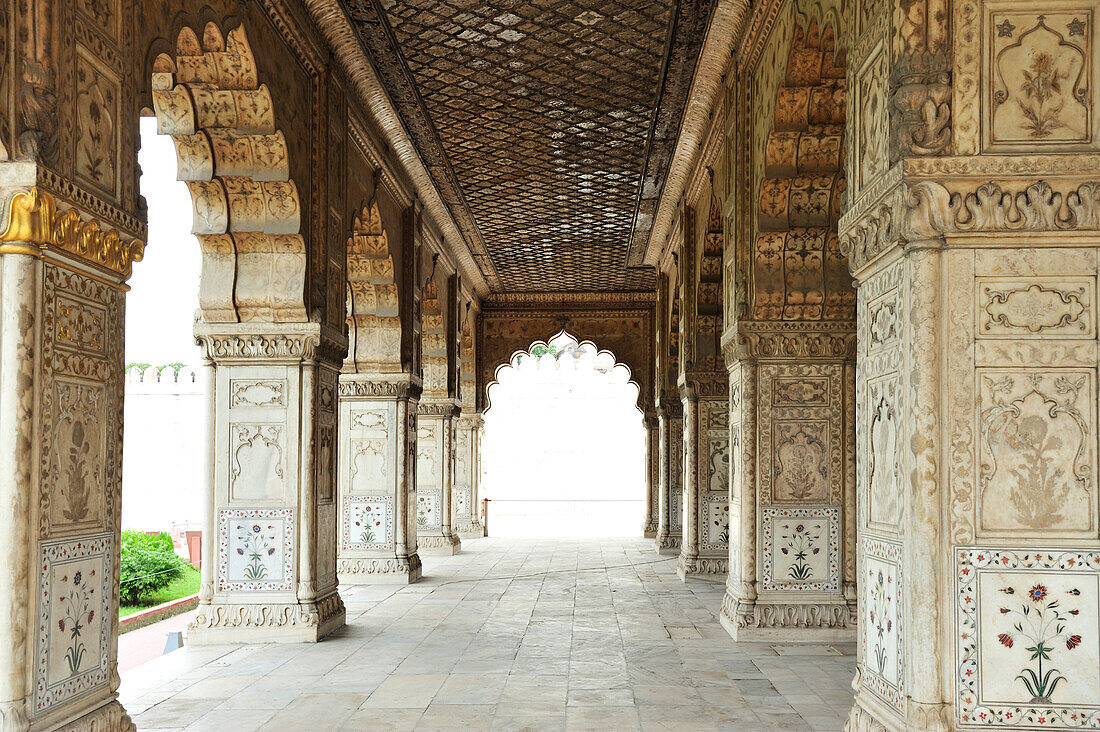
x,y
547,125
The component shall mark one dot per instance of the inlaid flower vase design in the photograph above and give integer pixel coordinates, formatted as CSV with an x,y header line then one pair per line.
x,y
78,607
1041,623
257,546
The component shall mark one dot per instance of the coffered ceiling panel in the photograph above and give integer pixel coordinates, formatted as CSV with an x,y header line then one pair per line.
x,y
547,125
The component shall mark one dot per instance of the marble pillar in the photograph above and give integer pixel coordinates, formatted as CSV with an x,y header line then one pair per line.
x,y
704,550
377,478
652,476
792,489
271,518
670,436
62,289
435,478
467,480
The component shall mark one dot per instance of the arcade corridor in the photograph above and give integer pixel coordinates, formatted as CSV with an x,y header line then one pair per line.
x,y
509,635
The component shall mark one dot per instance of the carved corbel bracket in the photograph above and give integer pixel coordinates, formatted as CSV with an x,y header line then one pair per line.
x,y
34,223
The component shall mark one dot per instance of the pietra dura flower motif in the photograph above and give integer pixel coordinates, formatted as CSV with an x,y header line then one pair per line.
x,y
78,602
257,543
1041,625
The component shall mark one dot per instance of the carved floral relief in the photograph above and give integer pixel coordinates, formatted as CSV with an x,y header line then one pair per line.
x,y
1041,74
1026,637
801,461
98,112
1038,453
76,478
883,458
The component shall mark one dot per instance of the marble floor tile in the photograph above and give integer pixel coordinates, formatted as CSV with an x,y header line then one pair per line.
x,y
509,634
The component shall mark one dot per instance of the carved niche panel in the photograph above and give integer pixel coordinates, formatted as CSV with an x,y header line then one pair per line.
x,y
257,461
256,549
881,625
1041,307
1026,637
871,133
76,482
1037,451
75,589
79,433
883,459
368,458
717,446
800,549
98,109
1040,65
801,423
368,523
801,462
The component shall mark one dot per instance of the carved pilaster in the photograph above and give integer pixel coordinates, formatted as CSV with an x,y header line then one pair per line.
x,y
435,478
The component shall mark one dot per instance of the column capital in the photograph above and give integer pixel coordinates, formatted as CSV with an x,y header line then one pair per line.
x,y
269,342
398,385
437,408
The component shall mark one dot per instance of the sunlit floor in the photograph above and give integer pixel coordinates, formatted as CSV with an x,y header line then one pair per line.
x,y
510,634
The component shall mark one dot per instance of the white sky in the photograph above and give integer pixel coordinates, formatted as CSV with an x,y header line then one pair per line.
x,y
161,305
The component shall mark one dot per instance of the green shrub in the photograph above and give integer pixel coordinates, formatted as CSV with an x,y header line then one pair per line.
x,y
149,564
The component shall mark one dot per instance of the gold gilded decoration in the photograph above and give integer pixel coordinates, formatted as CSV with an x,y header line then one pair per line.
x,y
34,219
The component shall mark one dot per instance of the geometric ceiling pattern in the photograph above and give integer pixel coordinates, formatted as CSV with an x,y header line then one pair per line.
x,y
547,125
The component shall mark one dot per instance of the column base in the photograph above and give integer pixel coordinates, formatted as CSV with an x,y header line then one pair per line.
x,y
694,566
666,544
294,622
787,622
379,570
470,530
436,545
649,529
109,717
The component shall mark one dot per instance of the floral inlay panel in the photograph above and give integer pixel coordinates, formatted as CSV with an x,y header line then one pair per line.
x,y
800,549
715,534
1037,451
256,549
463,502
881,622
75,600
368,523
1041,72
428,514
1028,638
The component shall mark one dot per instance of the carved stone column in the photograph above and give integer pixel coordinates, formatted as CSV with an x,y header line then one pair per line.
x,y
274,498
973,231
670,436
704,551
467,481
435,478
378,427
792,560
652,476
61,388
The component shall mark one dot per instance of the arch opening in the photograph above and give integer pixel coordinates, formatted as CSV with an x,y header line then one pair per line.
x,y
564,452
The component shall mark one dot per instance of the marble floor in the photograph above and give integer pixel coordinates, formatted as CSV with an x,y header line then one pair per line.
x,y
510,634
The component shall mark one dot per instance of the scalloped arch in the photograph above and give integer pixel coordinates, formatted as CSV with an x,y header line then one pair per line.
x,y
374,320
798,270
246,209
434,336
546,343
